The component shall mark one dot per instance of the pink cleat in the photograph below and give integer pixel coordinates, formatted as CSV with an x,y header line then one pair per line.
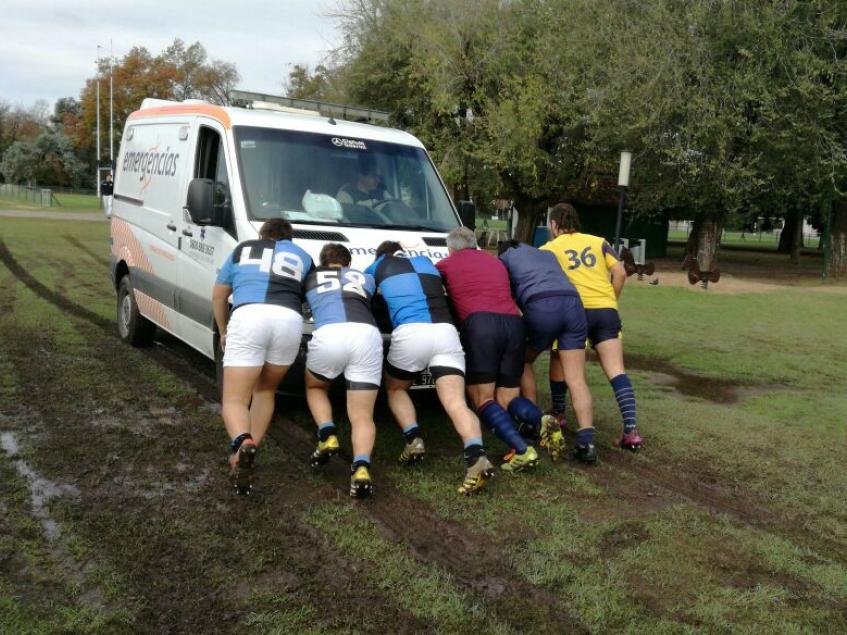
x,y
631,441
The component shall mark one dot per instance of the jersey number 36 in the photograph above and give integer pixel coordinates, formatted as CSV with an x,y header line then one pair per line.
x,y
585,258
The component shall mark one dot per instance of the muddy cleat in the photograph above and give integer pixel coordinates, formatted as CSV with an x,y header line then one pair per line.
x,y
631,441
361,485
583,453
325,451
414,452
520,462
477,476
561,419
243,465
552,438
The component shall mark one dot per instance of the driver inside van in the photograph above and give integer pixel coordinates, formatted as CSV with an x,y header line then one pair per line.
x,y
368,189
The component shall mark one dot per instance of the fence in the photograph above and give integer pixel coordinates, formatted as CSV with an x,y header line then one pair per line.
x,y
41,196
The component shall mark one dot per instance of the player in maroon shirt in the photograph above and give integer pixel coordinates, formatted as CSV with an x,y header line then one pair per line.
x,y
492,333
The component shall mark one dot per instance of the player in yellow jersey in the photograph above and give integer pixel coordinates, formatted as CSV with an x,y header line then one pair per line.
x,y
598,274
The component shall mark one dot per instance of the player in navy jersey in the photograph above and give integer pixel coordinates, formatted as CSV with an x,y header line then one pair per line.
x,y
260,338
424,336
552,311
346,340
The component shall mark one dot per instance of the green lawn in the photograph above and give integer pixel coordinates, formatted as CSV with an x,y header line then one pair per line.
x,y
63,203
732,519
750,240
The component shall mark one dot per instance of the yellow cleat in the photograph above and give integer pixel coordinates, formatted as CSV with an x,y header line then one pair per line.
x,y
414,452
520,462
361,485
325,451
477,476
552,438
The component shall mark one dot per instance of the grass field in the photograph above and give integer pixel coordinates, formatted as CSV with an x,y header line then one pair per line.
x,y
749,240
63,203
116,514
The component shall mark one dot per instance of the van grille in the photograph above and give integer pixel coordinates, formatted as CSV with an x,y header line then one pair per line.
x,y
317,235
434,241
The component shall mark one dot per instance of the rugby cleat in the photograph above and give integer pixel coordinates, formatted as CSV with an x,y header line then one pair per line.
x,y
325,451
243,465
477,476
561,418
361,485
583,453
552,438
414,452
631,441
520,462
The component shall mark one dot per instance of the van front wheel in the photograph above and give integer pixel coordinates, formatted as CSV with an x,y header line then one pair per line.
x,y
133,328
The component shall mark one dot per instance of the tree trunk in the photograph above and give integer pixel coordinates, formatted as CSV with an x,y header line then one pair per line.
x,y
709,228
691,243
529,211
797,239
789,231
837,263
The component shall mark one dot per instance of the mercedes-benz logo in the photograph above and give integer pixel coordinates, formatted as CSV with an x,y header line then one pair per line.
x,y
336,141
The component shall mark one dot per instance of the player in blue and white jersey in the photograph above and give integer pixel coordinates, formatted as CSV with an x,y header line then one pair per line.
x,y
424,336
260,337
346,340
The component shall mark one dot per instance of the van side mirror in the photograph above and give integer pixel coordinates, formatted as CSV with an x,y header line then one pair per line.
x,y
201,204
467,214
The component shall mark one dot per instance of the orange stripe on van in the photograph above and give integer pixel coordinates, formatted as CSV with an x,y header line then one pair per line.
x,y
215,112
126,247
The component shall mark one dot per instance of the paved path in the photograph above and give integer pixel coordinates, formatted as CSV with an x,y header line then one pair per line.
x,y
24,213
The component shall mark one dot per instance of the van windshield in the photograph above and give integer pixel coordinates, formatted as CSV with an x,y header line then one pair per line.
x,y
320,179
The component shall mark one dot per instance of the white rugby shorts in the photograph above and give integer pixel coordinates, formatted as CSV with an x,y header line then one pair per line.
x,y
352,348
420,345
259,333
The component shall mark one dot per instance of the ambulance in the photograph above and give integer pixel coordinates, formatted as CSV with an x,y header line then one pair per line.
x,y
192,180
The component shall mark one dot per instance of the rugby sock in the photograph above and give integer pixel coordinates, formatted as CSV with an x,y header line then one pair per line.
x,y
411,431
361,460
585,436
526,412
473,450
326,430
626,401
502,424
558,394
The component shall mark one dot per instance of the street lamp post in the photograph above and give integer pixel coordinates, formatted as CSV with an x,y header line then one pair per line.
x,y
97,99
623,183
111,112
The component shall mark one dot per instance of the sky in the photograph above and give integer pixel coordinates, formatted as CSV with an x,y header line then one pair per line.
x,y
48,47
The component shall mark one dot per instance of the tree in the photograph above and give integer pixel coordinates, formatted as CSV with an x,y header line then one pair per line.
x,y
19,163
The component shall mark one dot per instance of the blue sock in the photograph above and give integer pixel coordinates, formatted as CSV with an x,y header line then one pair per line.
x,y
411,431
626,401
558,394
502,424
361,459
326,430
585,436
526,412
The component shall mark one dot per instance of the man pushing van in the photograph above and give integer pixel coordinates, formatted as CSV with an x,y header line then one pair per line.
x,y
261,339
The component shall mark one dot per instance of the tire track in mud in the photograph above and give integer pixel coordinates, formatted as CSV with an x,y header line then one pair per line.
x,y
98,258
471,559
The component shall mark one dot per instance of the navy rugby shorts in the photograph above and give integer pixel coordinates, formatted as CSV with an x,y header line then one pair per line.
x,y
494,349
559,319
603,324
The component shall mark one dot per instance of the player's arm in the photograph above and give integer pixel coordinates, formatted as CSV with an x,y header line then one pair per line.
x,y
220,304
618,278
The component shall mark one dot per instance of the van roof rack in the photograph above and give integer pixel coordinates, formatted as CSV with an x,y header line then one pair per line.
x,y
245,99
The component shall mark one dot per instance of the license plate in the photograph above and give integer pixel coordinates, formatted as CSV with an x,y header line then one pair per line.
x,y
424,381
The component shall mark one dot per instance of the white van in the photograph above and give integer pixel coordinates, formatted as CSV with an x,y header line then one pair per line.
x,y
193,180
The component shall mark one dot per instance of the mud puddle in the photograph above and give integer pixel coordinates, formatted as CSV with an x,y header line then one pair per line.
x,y
41,490
691,384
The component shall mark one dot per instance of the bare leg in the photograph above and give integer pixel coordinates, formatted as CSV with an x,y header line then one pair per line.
x,y
264,400
506,395
360,410
399,401
528,388
317,396
237,394
557,373
451,392
573,364
610,353
480,393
